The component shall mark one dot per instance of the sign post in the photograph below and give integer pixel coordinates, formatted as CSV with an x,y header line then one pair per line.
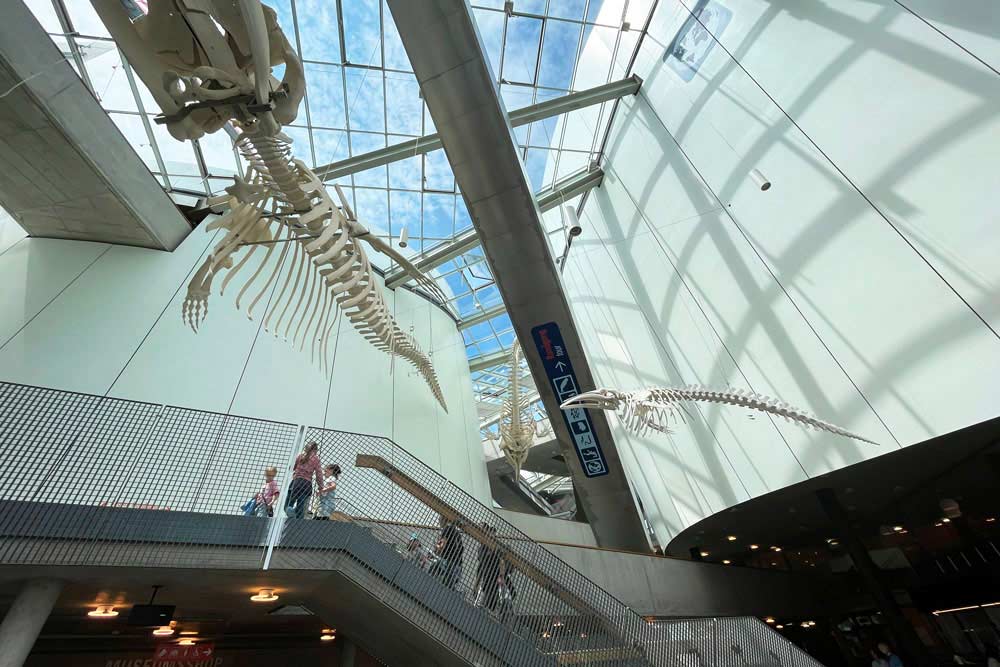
x,y
559,370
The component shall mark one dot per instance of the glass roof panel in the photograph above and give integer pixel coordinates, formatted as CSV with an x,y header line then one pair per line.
x,y
361,95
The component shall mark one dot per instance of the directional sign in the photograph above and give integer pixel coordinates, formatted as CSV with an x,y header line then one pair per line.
x,y
559,369
177,655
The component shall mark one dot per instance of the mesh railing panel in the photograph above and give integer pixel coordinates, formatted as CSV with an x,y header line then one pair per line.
x,y
102,481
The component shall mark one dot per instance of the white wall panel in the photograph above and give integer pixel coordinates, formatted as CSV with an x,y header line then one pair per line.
x,y
55,263
117,325
10,231
688,273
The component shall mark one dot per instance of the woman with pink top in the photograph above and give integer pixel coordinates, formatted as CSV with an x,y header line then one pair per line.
x,y
300,491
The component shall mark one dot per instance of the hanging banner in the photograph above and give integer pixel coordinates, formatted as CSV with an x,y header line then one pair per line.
x,y
559,369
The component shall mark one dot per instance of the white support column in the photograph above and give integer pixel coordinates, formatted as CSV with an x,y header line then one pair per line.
x,y
25,619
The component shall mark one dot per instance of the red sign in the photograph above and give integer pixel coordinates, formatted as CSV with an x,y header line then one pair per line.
x,y
181,656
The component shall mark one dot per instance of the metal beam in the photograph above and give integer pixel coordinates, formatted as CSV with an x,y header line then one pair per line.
x,y
484,316
490,360
549,198
476,135
569,187
445,252
529,114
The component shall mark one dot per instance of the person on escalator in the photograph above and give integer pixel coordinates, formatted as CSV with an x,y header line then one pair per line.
x,y
450,551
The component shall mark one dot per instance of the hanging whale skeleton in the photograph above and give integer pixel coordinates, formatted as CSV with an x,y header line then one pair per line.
x,y
208,65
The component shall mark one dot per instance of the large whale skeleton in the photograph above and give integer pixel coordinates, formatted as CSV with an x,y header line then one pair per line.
x,y
208,65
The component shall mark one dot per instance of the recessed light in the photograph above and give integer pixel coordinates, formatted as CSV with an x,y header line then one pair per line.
x,y
264,595
103,611
775,549
163,631
327,638
946,520
731,538
938,524
186,642
769,619
704,554
898,529
990,519
188,632
546,634
583,635
726,562
780,627
754,547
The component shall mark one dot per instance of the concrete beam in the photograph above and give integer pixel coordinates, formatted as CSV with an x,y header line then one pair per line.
x,y
529,114
68,171
478,139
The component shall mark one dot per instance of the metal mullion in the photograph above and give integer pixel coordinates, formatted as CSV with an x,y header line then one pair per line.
x,y
536,16
145,120
538,53
71,34
343,80
572,84
611,71
305,95
503,47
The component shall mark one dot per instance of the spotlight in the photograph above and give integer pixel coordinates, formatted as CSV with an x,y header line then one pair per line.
x,y
404,237
103,611
264,595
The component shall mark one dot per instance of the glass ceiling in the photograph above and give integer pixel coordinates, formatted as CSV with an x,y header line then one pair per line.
x,y
362,95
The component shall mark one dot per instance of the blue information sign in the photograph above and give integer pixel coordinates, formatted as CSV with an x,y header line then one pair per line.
x,y
559,369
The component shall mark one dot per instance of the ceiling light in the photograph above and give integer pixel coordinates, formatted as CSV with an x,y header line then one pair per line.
x,y
811,623
186,642
583,635
726,562
938,524
731,538
780,627
704,554
769,619
557,624
760,179
898,529
327,638
775,549
754,547
163,631
946,520
189,632
264,595
546,634
954,609
103,611
990,519
804,624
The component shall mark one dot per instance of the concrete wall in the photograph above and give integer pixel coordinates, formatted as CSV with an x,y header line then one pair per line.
x,y
106,320
656,586
543,529
862,286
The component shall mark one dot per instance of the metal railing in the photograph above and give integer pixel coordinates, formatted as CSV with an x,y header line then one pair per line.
x,y
90,480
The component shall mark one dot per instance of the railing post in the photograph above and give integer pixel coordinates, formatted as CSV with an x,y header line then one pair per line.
x,y
715,642
277,522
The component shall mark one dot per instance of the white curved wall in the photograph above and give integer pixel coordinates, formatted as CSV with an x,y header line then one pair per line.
x,y
863,286
106,320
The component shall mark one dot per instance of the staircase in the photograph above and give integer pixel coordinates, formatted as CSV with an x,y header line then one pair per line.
x,y
161,486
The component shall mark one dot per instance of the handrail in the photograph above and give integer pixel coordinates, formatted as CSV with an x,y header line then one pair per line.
x,y
473,530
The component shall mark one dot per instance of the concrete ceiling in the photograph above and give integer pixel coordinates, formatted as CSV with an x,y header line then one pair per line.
x,y
67,171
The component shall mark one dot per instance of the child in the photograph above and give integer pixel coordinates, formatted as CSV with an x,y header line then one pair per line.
x,y
326,498
264,500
